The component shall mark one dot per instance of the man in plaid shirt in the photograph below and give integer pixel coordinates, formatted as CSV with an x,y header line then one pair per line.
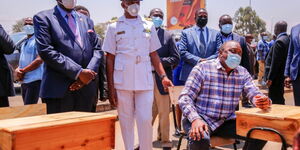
x,y
262,51
211,95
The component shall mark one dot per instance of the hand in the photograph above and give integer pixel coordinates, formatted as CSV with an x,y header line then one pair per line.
x,y
166,83
77,85
86,75
198,130
287,82
269,83
262,102
113,98
20,74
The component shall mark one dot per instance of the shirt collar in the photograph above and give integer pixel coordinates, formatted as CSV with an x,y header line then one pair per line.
x,y
220,67
281,34
198,28
64,13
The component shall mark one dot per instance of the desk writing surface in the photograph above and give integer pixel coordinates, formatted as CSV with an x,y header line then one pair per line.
x,y
275,112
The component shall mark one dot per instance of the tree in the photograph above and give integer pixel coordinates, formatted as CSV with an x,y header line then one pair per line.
x,y
100,28
247,21
18,27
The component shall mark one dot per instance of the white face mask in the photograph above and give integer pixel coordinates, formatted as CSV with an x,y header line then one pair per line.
x,y
133,9
69,4
28,29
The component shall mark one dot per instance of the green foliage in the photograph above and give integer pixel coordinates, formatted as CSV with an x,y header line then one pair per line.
x,y
247,21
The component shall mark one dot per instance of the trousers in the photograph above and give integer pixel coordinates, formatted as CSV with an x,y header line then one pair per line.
x,y
136,105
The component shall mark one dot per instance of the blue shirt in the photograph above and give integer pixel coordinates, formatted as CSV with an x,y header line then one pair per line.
x,y
28,55
205,33
210,94
64,14
262,50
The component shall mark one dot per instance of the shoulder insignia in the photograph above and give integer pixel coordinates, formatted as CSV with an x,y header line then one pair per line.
x,y
148,19
113,20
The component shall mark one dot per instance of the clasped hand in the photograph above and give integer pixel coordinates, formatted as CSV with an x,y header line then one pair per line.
x,y
84,78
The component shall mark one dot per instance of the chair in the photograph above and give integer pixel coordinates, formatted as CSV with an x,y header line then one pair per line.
x,y
174,93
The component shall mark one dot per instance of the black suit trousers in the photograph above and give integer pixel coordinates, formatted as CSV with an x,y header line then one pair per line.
x,y
276,91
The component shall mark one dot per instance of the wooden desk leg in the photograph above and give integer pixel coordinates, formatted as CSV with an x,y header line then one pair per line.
x,y
284,144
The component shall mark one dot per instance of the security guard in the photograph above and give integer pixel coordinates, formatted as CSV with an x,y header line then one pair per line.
x,y
131,43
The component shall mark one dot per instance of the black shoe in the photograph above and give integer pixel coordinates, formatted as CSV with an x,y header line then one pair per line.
x,y
167,148
137,148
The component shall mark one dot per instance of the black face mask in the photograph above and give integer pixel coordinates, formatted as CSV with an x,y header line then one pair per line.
x,y
201,21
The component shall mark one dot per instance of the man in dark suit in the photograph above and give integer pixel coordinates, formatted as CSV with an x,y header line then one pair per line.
x,y
292,67
6,85
226,34
275,63
197,44
169,57
68,44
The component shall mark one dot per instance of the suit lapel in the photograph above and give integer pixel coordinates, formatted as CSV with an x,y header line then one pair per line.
x,y
161,36
196,37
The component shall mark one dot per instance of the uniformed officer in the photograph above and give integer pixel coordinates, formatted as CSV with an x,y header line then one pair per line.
x,y
131,43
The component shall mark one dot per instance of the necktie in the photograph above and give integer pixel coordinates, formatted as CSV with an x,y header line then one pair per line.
x,y
73,27
202,42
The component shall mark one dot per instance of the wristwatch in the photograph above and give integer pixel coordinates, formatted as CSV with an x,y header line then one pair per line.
x,y
162,76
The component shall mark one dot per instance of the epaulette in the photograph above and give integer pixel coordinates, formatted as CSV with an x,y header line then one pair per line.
x,y
148,19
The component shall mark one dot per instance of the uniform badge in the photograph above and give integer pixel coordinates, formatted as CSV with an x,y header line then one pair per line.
x,y
147,30
121,32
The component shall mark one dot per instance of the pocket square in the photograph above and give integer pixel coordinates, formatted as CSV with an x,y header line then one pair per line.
x,y
90,31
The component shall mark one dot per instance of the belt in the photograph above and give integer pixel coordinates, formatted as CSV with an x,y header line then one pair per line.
x,y
136,58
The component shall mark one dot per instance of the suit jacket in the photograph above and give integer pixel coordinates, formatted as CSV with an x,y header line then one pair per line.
x,y
169,56
190,52
276,59
62,54
6,47
245,62
293,58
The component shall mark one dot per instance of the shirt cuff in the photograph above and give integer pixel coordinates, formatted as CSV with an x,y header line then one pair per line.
x,y
78,74
193,116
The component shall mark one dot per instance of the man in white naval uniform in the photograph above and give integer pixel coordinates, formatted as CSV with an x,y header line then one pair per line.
x,y
131,43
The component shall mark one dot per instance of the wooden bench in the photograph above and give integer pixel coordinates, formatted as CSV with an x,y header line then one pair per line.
x,y
23,111
174,93
68,131
283,118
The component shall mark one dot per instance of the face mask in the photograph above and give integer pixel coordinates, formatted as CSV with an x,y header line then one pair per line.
x,y
157,21
233,60
201,21
28,29
133,9
265,38
69,4
226,28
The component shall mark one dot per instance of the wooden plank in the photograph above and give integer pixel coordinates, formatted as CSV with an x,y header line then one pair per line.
x,y
275,112
287,128
174,93
28,123
22,111
89,136
70,131
6,141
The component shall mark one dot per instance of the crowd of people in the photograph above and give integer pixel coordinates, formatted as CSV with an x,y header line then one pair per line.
x,y
64,62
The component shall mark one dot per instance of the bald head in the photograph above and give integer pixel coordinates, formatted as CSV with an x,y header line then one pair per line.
x,y
280,27
201,11
225,19
28,21
156,12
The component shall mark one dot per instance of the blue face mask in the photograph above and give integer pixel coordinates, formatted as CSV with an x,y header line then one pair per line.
x,y
265,38
226,28
28,29
157,21
233,60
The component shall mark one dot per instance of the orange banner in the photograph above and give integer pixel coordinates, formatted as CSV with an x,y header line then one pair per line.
x,y
181,13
